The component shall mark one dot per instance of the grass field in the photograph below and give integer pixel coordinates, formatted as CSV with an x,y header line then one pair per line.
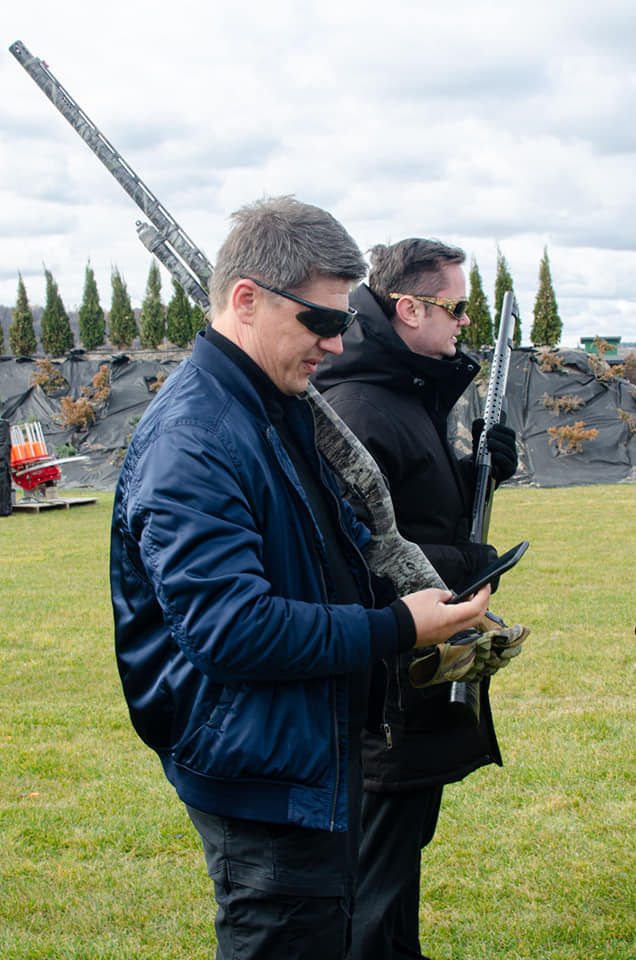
x,y
535,860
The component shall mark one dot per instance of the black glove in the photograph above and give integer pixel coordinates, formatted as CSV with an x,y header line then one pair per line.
x,y
476,557
502,444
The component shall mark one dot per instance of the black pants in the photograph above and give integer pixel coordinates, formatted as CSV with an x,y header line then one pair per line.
x,y
283,892
395,828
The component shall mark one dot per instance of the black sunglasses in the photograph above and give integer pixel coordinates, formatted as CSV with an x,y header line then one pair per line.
x,y
323,321
456,308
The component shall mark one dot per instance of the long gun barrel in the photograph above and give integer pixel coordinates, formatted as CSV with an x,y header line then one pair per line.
x,y
171,232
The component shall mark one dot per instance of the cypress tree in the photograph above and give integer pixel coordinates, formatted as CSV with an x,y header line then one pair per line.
x,y
179,317
547,326
479,333
22,339
197,321
122,326
1,338
503,283
92,325
55,328
152,319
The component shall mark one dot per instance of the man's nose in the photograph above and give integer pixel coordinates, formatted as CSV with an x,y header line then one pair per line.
x,y
331,344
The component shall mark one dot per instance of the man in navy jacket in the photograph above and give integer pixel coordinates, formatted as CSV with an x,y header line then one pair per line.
x,y
244,610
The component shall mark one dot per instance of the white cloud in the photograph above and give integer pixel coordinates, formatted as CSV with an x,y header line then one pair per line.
x,y
481,124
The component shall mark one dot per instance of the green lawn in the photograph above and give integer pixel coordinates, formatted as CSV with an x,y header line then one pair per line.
x,y
535,860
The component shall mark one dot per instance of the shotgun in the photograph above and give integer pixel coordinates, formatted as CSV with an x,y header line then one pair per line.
x,y
464,697
394,556
389,554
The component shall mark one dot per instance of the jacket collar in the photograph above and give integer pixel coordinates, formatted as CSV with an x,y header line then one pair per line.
x,y
239,374
374,353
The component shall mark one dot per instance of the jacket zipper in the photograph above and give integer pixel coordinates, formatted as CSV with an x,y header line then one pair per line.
x,y
388,736
334,715
332,682
336,790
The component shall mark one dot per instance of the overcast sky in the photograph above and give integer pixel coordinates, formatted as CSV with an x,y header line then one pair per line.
x,y
480,123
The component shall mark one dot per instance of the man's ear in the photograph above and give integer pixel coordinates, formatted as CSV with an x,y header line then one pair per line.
x,y
406,311
243,300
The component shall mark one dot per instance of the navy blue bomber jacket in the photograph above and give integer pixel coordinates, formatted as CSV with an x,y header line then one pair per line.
x,y
233,656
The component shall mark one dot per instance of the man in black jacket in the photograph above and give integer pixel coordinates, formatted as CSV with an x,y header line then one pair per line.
x,y
395,384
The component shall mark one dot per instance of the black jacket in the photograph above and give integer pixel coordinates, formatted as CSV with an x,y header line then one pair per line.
x,y
397,403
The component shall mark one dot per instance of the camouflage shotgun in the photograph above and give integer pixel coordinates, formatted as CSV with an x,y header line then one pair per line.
x,y
389,554
187,263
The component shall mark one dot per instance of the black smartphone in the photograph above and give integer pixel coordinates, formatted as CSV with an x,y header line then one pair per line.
x,y
494,569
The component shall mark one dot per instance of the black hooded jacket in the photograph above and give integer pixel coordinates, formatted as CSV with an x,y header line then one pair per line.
x,y
397,403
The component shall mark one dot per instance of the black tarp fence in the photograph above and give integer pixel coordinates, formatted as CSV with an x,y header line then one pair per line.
x,y
5,473
609,457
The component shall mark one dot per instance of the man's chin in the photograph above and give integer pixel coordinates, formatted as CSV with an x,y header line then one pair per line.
x,y
295,389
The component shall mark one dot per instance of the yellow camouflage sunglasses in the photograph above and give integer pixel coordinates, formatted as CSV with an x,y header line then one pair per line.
x,y
456,308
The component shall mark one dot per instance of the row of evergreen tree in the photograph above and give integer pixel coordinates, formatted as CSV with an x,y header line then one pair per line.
x,y
482,331
180,321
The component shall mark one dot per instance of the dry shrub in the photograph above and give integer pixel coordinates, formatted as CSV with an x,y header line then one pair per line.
x,y
81,413
628,418
601,345
564,404
570,438
101,386
158,382
627,369
78,414
600,368
48,377
548,360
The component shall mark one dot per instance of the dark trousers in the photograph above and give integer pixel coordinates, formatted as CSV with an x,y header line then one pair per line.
x,y
395,828
283,892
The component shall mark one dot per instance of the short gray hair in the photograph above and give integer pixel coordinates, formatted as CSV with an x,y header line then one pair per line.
x,y
286,243
410,266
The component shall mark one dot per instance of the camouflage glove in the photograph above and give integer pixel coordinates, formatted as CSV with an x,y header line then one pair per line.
x,y
469,655
461,655
505,643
